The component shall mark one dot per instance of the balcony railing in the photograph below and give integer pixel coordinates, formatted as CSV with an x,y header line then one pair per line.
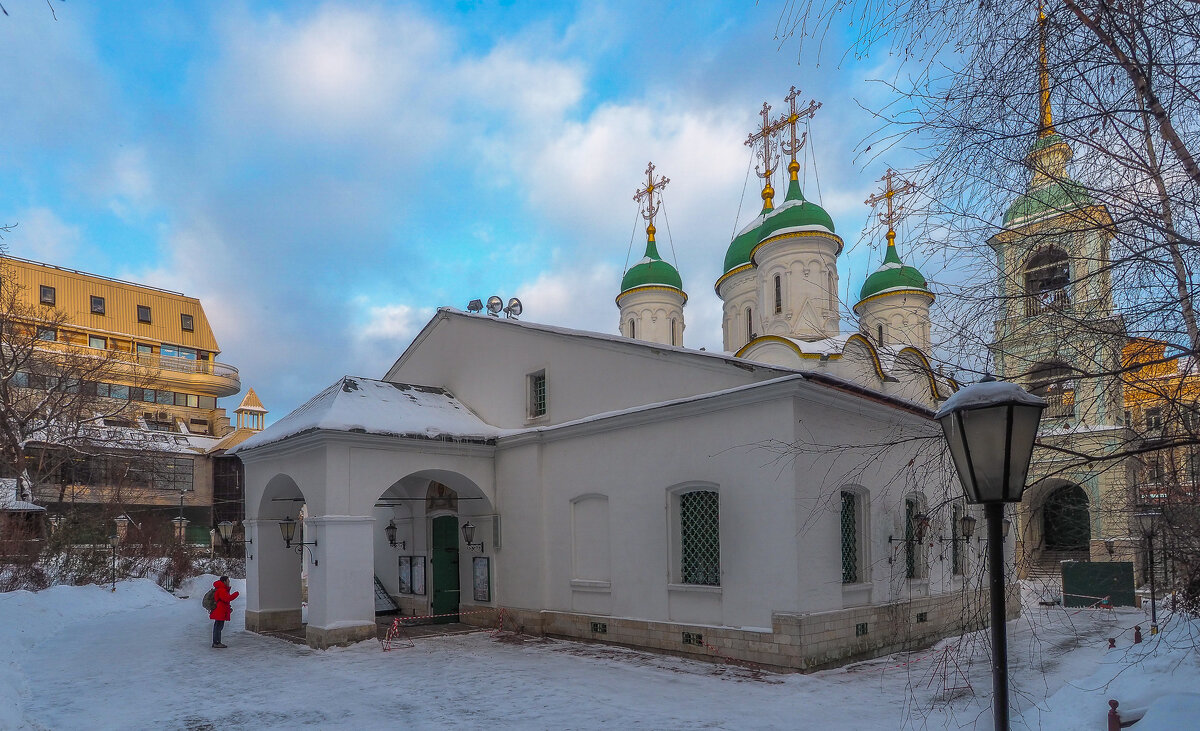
x,y
1059,404
1055,299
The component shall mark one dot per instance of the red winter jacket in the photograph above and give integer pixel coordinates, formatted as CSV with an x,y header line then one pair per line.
x,y
223,598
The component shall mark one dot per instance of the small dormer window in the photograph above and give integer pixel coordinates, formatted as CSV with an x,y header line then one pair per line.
x,y
46,295
187,323
143,314
97,305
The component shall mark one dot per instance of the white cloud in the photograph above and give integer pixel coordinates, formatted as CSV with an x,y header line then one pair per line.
x,y
43,236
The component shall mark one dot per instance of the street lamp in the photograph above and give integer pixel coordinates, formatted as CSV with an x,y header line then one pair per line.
x,y
113,540
468,532
390,531
990,428
180,528
1146,521
287,527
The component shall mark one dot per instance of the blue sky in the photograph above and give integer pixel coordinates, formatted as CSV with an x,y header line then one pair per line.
x,y
324,175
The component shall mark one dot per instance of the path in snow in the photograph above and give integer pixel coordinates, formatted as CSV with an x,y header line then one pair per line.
x,y
148,665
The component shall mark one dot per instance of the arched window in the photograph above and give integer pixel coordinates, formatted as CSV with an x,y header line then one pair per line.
x,y
915,526
700,538
852,515
749,323
674,340
778,294
1047,280
632,330
879,333
958,554
1054,381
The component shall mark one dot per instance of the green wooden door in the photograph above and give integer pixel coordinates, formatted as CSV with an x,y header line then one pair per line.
x,y
444,563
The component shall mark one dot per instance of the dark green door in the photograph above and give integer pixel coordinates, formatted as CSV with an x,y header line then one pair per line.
x,y
444,563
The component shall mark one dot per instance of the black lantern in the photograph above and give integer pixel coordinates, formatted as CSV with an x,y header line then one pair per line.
x,y
468,532
287,527
966,527
990,428
390,531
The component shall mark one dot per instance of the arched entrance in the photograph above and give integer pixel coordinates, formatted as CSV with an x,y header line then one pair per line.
x,y
1066,522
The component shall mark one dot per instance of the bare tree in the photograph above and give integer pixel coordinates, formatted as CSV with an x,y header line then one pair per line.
x,y
1057,152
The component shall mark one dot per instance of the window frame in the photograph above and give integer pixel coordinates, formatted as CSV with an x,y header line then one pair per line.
x,y
857,501
93,339
916,564
47,295
187,323
677,532
148,319
778,294
92,302
51,331
533,409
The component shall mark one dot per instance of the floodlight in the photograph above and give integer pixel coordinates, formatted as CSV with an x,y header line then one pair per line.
x,y
475,306
494,306
513,309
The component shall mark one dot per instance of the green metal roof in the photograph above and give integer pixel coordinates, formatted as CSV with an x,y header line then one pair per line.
x,y
1056,197
738,252
893,274
651,270
795,212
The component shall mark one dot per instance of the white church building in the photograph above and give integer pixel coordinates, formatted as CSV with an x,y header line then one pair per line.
x,y
785,503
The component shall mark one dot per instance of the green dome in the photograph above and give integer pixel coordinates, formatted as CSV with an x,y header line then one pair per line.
x,y
893,274
651,271
1056,197
795,212
738,252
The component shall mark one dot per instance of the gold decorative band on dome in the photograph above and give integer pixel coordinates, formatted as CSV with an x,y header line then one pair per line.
x,y
736,270
652,288
890,292
796,235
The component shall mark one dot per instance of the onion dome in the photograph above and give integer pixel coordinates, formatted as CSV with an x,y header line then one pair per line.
x,y
651,270
738,253
893,275
795,213
1051,190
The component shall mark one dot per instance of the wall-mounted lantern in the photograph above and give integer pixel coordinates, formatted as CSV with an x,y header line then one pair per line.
x,y
468,532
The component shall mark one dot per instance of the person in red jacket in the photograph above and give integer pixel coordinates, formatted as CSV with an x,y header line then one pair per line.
x,y
221,613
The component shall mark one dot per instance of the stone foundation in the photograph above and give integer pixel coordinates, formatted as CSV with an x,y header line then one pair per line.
x,y
273,620
320,638
796,642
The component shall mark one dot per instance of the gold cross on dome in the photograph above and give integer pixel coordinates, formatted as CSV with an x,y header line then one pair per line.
x,y
890,190
645,196
766,152
791,121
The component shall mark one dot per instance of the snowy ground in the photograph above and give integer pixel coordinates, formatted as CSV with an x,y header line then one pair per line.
x,y
83,657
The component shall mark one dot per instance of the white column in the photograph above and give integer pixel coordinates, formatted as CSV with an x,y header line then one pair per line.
x,y
272,579
341,588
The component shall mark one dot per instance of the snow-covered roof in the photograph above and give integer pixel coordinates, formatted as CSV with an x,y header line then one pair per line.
x,y
10,498
369,406
728,358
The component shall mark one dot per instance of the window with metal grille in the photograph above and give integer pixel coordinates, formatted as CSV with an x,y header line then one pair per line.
x,y
861,629
700,538
537,394
849,538
910,538
778,295
957,564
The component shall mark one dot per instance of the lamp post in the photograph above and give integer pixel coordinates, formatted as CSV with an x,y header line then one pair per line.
x,y
1146,521
113,540
990,428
